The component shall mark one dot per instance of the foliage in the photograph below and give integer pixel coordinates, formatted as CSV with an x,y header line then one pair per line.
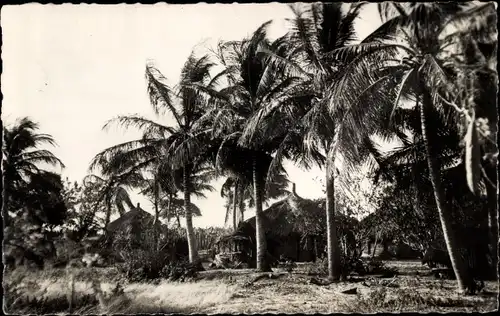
x,y
245,195
208,237
179,271
17,303
83,203
140,265
21,159
25,240
140,258
33,203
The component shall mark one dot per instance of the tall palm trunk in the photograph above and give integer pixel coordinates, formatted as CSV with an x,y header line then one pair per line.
x,y
491,192
107,219
167,214
191,238
169,207
157,215
333,254
375,244
463,278
241,206
235,205
260,234
5,213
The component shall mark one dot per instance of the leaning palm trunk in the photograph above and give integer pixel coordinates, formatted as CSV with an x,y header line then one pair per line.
x,y
260,234
5,213
235,206
191,238
333,254
463,278
491,192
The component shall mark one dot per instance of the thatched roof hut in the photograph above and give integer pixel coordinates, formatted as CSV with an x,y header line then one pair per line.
x,y
295,227
135,230
136,215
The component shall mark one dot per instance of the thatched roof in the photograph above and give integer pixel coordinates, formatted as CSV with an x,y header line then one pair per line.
x,y
294,214
223,239
135,215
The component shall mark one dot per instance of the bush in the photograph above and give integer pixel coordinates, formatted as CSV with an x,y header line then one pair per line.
x,y
147,263
375,266
179,271
140,265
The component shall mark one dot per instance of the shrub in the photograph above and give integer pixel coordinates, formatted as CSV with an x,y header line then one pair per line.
x,y
179,271
150,262
375,266
140,265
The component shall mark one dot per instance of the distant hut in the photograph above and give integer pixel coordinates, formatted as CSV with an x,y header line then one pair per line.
x,y
295,228
382,240
129,219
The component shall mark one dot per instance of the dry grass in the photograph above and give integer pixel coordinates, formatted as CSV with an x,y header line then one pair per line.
x,y
228,291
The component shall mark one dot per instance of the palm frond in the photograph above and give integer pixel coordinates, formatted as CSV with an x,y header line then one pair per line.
x,y
149,127
147,147
160,93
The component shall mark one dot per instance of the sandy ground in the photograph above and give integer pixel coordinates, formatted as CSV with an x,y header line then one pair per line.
x,y
229,291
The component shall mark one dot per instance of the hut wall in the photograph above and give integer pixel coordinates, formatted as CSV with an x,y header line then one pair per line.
x,y
287,247
306,253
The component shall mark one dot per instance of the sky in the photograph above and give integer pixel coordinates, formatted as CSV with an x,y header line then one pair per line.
x,y
73,67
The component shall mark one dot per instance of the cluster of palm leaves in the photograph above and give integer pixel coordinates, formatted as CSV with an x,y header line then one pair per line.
x,y
26,183
424,79
436,92
32,200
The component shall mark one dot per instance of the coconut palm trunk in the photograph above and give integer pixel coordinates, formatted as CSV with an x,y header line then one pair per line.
x,y
260,234
169,207
463,278
491,192
191,238
107,219
241,207
235,205
5,213
333,254
375,244
157,215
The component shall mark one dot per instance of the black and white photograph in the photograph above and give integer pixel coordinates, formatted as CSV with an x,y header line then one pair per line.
x,y
249,158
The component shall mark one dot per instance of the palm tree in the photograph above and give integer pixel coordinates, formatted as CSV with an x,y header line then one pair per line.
x,y
112,192
253,82
173,207
406,164
238,190
424,77
304,121
21,162
479,63
179,147
171,182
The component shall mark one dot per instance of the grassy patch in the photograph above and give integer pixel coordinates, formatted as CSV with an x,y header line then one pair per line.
x,y
228,291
